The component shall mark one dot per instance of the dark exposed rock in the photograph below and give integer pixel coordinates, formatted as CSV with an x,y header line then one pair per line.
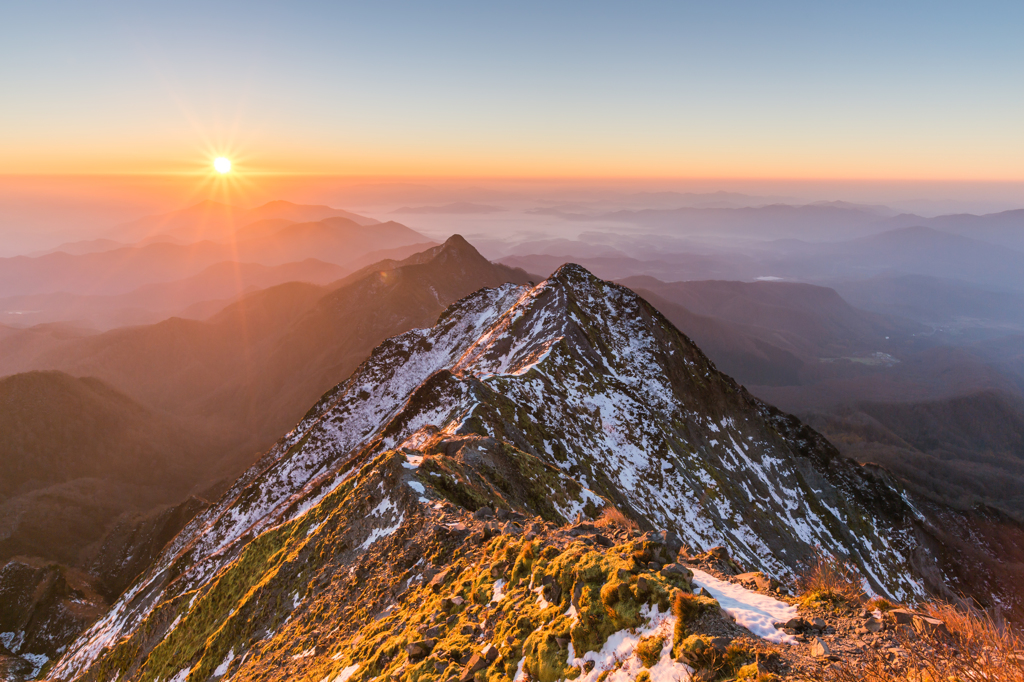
x,y
479,661
676,570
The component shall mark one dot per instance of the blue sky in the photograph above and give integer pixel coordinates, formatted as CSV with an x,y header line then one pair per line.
x,y
895,89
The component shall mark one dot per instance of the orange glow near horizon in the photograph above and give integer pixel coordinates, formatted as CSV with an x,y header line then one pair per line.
x,y
555,162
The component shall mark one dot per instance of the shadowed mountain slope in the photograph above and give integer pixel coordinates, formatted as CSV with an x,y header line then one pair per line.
x,y
57,428
962,451
76,455
252,369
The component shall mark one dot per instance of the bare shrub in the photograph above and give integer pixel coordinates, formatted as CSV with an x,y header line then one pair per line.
x,y
613,518
827,579
972,646
880,604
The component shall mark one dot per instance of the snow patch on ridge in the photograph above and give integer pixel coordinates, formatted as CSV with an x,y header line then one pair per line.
x,y
754,611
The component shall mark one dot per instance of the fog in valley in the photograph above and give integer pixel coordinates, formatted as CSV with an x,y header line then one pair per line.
x,y
189,340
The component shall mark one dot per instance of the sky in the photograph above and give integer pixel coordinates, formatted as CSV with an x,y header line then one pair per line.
x,y
891,90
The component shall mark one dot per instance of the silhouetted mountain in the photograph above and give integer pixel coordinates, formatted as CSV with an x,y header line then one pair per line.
x,y
213,221
218,284
81,247
933,373
670,267
775,221
766,333
334,240
1005,228
807,320
457,208
911,250
736,349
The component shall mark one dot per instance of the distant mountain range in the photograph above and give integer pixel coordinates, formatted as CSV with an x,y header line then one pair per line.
x,y
918,250
816,222
214,221
333,240
197,296
457,208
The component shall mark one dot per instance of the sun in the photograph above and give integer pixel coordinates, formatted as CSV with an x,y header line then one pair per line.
x,y
222,165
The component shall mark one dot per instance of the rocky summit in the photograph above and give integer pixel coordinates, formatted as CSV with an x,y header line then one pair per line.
x,y
431,518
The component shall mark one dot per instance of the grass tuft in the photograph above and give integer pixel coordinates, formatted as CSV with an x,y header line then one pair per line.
x,y
648,650
829,580
971,646
613,518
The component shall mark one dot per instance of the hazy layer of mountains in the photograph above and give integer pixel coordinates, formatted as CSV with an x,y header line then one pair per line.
x,y
145,371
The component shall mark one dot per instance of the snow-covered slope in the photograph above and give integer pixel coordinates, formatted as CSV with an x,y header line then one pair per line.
x,y
556,400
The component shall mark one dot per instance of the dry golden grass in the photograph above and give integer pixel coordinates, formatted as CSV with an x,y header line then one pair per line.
x,y
974,647
613,518
880,604
826,579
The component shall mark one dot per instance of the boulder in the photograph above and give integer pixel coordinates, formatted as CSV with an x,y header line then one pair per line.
x,y
719,558
553,592
718,553
900,616
818,623
479,661
419,649
819,649
676,570
720,644
438,580
929,626
758,580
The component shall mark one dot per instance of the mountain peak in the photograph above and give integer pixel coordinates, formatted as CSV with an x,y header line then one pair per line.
x,y
459,243
457,248
574,274
543,402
